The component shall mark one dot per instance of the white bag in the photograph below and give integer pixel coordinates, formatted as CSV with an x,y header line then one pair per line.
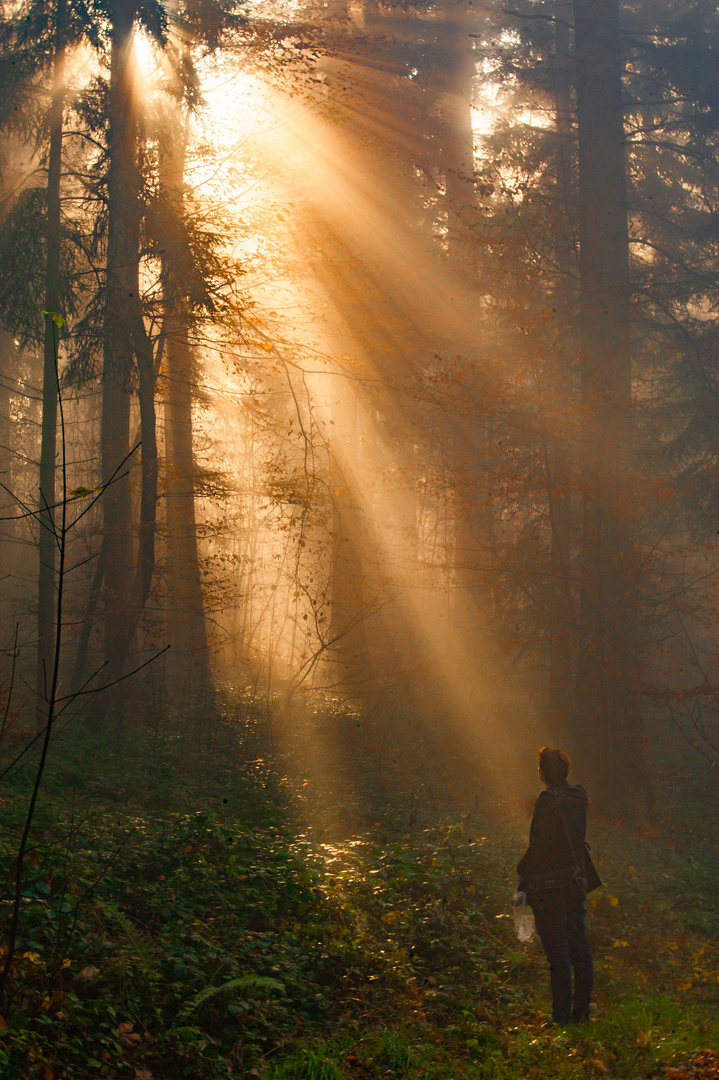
x,y
523,917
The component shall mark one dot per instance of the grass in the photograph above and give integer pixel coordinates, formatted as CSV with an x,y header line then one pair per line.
x,y
202,934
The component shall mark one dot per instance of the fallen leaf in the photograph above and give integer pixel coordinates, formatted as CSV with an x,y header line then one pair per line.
x,y
86,974
131,1040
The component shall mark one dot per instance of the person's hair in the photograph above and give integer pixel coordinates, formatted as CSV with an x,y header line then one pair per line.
x,y
554,764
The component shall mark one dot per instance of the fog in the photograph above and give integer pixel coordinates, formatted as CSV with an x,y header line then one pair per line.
x,y
358,441
404,373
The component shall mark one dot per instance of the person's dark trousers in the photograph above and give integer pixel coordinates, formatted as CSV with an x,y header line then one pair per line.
x,y
560,922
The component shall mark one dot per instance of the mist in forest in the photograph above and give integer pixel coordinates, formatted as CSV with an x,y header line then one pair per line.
x,y
358,386
358,439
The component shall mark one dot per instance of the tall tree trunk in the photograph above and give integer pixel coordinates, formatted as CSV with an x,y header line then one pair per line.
x,y
79,670
125,340
7,506
561,614
142,579
188,659
609,735
559,462
187,662
458,149
146,379
350,655
121,280
47,541
473,520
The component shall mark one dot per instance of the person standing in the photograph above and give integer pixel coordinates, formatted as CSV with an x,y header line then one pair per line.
x,y
556,872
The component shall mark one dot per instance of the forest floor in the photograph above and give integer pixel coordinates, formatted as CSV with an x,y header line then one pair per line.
x,y
190,918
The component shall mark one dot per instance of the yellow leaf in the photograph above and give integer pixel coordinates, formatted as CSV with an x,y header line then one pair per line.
x,y
614,901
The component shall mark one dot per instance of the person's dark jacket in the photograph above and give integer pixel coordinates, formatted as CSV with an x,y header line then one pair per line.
x,y
549,847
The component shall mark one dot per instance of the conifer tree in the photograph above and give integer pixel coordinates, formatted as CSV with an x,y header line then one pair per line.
x,y
609,729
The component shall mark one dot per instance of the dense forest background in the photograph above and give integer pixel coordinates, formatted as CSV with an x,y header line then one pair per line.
x,y
359,388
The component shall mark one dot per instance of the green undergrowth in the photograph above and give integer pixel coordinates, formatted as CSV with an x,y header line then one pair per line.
x,y
211,936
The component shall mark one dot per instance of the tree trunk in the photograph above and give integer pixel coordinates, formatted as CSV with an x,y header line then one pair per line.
x,y
351,669
121,299
8,508
458,149
83,642
188,667
474,526
188,658
609,734
142,581
559,460
47,545
561,615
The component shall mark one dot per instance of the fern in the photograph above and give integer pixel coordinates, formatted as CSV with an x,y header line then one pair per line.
x,y
186,1032
261,983
140,943
133,934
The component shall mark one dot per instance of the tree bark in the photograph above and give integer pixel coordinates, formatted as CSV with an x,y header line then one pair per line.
x,y
609,734
47,545
561,614
144,568
8,507
125,340
188,659
83,642
474,526
351,669
458,150
121,280
187,663
558,451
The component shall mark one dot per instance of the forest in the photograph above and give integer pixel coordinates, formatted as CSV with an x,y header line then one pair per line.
x,y
359,436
